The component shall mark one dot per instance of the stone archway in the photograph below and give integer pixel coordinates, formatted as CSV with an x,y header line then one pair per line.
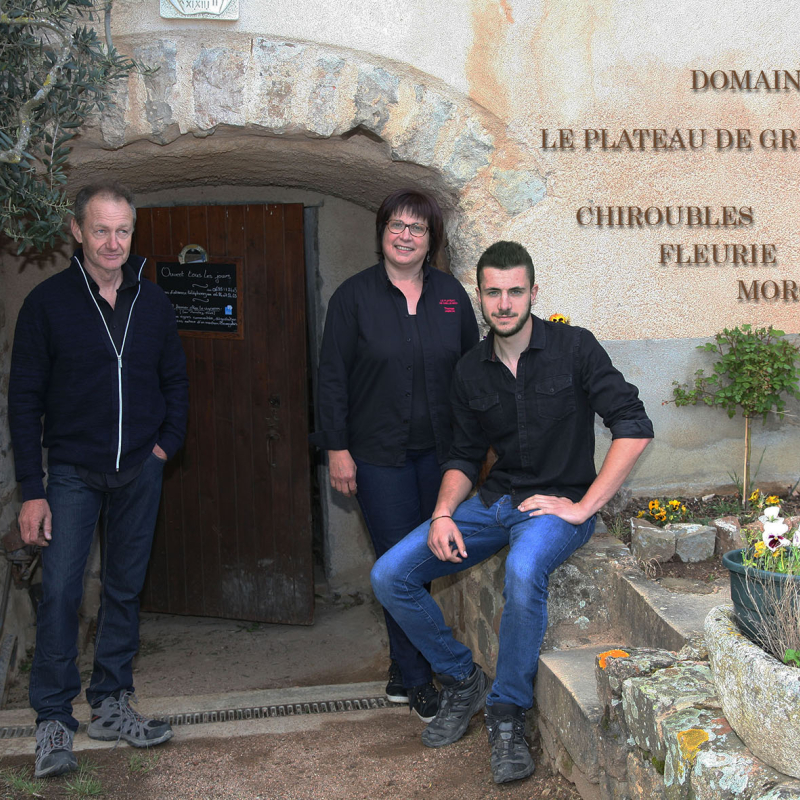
x,y
258,111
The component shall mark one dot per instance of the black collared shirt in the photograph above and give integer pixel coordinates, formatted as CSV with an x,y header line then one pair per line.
x,y
116,318
541,422
366,363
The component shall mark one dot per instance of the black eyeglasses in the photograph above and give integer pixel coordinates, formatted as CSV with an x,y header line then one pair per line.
x,y
416,229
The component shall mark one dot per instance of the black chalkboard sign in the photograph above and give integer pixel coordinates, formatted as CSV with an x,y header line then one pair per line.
x,y
205,296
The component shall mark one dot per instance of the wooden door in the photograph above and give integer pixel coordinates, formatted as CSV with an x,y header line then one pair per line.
x,y
233,537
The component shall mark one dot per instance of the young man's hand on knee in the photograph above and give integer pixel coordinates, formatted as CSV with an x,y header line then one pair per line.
x,y
445,540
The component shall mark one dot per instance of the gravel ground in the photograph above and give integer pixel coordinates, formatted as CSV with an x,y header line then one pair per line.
x,y
378,757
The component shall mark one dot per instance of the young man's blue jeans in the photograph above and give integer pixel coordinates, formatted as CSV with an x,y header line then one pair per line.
x,y
128,517
537,546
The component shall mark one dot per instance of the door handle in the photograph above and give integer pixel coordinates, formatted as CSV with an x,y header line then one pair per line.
x,y
273,435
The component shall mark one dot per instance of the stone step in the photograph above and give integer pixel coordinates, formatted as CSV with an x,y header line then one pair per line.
x,y
648,615
569,713
617,596
624,609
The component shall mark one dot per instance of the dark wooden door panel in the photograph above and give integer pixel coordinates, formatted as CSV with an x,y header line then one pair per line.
x,y
234,530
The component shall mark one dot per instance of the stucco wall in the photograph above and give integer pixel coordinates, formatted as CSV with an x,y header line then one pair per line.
x,y
697,449
527,66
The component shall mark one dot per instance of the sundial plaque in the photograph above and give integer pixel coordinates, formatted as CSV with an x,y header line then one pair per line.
x,y
200,9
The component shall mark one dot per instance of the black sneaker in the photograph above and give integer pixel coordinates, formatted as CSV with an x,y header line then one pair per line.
x,y
459,701
511,759
424,701
114,719
395,691
54,754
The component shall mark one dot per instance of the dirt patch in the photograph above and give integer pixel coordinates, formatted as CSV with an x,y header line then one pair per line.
x,y
705,577
378,759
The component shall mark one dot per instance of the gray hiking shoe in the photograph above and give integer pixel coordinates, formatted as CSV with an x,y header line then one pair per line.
x,y
511,759
54,754
114,719
459,701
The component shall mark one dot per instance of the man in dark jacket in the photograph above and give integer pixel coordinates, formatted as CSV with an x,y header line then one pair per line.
x,y
97,355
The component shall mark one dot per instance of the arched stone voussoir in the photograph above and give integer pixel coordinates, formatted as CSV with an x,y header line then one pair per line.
x,y
261,111
296,88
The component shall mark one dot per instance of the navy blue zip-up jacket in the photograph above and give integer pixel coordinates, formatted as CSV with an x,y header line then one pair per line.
x,y
101,412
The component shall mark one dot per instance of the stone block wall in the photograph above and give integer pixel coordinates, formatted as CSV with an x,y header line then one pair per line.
x,y
664,736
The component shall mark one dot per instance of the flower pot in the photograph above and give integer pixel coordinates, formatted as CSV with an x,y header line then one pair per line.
x,y
760,696
753,593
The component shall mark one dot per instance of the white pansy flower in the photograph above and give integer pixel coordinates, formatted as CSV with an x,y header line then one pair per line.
x,y
776,527
773,535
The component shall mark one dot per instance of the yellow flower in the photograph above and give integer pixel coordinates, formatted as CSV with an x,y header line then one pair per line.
x,y
674,503
759,549
641,514
559,318
772,500
755,495
653,505
683,509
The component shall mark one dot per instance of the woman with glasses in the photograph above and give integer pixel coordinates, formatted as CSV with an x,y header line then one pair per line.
x,y
393,335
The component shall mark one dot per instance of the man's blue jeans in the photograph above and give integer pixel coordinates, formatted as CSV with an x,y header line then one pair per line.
x,y
537,546
128,516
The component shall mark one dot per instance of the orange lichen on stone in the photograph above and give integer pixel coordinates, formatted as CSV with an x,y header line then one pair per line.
x,y
611,654
690,741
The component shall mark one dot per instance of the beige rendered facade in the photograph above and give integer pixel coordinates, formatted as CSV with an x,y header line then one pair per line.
x,y
643,152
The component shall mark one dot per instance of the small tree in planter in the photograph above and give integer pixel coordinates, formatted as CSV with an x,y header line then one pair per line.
x,y
756,367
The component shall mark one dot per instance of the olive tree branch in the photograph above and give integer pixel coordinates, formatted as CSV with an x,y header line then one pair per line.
x,y
13,155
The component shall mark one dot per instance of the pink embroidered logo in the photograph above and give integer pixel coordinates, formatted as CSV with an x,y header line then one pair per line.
x,y
449,306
